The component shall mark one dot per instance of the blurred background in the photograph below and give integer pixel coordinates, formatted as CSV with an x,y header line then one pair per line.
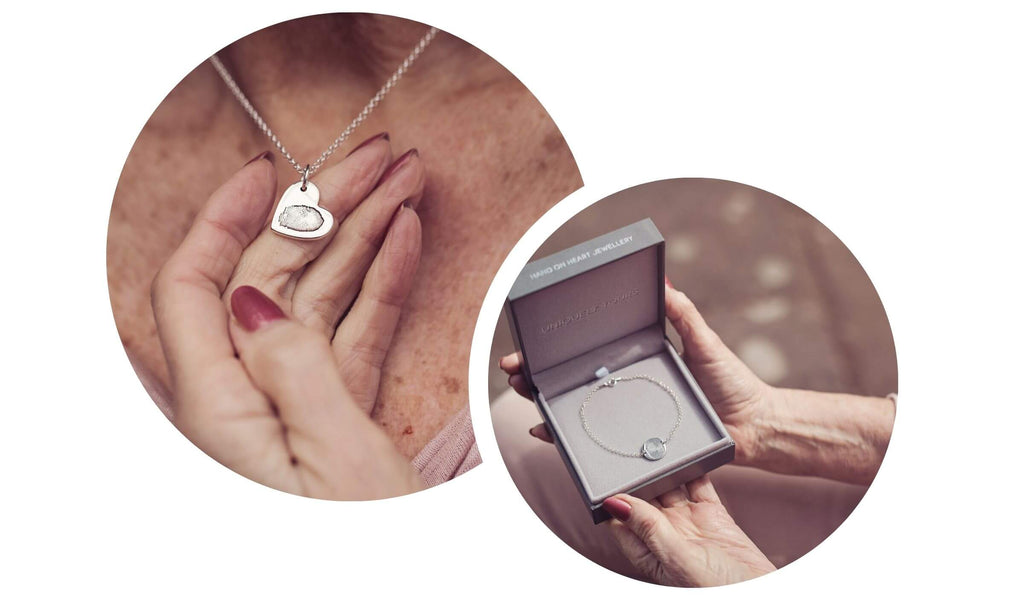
x,y
780,289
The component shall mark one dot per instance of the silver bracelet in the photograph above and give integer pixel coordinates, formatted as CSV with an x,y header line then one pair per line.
x,y
653,448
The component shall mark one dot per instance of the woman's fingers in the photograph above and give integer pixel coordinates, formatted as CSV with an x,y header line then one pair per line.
x,y
190,317
697,490
362,340
729,384
703,490
518,382
700,343
336,451
272,260
641,530
330,284
540,431
510,364
675,497
633,548
645,520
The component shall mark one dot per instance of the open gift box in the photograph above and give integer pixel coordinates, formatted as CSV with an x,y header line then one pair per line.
x,y
589,315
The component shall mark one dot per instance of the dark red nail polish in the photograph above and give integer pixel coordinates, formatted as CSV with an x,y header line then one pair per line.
x,y
253,309
368,142
537,431
399,163
264,155
617,508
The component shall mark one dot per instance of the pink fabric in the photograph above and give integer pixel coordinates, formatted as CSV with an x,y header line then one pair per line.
x,y
452,452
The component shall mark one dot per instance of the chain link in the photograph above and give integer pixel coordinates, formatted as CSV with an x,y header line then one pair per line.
x,y
610,383
310,169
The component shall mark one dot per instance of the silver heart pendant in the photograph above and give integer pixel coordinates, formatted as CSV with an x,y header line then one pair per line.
x,y
299,216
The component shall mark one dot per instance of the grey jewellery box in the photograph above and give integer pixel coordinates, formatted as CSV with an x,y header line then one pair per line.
x,y
625,412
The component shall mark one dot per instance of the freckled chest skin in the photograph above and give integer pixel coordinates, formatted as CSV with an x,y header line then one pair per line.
x,y
495,162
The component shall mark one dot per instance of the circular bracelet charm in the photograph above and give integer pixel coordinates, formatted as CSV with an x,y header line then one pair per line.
x,y
652,449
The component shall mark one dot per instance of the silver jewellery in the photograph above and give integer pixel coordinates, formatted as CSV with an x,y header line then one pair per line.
x,y
298,214
653,448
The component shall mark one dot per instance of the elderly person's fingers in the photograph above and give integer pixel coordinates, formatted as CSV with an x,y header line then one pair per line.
x,y
510,364
518,382
697,490
540,431
363,339
272,261
336,450
700,343
702,490
675,497
329,285
641,530
186,295
737,394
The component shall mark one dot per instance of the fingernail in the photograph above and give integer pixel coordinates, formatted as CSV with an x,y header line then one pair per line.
x,y
264,155
253,309
369,141
669,283
617,508
399,163
537,430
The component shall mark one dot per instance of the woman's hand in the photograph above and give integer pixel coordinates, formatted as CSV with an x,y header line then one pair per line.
x,y
685,538
282,393
831,435
737,394
739,397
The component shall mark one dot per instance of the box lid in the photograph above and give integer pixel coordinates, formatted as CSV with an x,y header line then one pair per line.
x,y
580,299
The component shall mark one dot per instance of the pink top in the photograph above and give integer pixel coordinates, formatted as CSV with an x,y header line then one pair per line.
x,y
452,452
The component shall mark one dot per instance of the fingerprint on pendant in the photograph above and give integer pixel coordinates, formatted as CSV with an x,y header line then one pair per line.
x,y
301,218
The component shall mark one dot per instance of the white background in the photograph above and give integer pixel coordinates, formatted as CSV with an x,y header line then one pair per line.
x,y
898,126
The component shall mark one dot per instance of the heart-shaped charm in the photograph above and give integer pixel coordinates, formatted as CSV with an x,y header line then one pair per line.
x,y
299,216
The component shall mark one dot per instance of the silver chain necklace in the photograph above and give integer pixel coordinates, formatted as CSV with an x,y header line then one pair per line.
x,y
653,448
299,215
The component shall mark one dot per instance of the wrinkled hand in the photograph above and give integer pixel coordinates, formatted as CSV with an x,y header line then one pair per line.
x,y
685,538
739,397
282,392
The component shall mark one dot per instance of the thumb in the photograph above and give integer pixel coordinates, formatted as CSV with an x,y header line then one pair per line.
x,y
700,343
641,530
333,442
